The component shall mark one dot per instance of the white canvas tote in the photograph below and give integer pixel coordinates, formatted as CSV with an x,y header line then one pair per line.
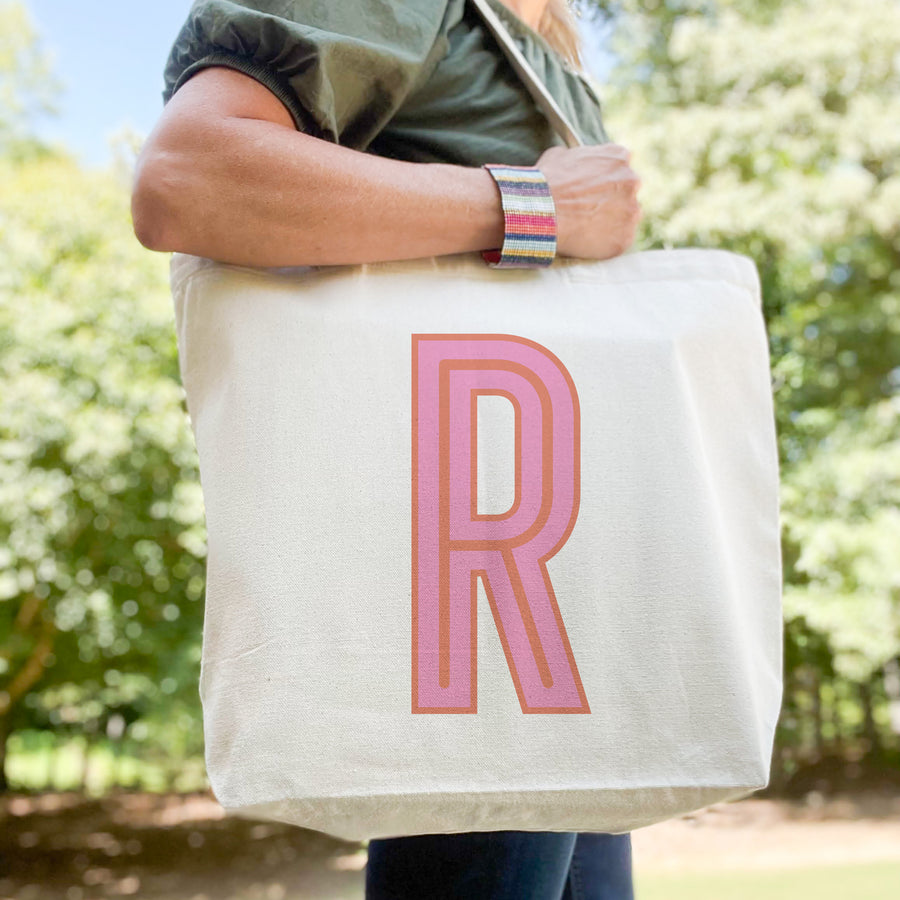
x,y
488,549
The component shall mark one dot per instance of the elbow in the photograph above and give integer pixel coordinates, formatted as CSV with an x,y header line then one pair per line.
x,y
153,211
147,229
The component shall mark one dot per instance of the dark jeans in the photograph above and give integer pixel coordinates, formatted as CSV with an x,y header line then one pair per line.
x,y
501,865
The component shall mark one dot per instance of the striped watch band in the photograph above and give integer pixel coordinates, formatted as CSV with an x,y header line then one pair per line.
x,y
529,215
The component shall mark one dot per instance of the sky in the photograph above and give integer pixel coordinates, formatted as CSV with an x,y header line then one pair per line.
x,y
109,56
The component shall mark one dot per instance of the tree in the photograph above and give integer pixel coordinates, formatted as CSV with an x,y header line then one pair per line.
x,y
101,515
101,518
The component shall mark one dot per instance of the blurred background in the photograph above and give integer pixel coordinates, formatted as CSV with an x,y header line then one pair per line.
x,y
769,127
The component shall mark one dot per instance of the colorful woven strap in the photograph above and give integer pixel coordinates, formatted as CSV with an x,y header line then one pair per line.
x,y
530,217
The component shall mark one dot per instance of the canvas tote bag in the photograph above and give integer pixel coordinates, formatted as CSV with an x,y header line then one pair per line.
x,y
487,549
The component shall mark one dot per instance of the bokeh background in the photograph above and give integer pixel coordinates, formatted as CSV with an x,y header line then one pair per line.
x,y
769,127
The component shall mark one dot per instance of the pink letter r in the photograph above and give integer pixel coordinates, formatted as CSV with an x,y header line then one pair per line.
x,y
454,546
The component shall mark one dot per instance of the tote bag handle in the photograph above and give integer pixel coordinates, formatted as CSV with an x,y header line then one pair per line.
x,y
536,87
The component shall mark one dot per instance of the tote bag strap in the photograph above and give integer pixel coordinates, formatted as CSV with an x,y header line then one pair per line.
x,y
536,87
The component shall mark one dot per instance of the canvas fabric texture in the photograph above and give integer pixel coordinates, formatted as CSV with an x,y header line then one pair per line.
x,y
487,550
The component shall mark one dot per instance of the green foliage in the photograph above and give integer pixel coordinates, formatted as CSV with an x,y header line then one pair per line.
x,y
101,518
842,514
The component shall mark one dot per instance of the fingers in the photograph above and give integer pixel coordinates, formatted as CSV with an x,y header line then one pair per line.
x,y
624,173
595,193
612,149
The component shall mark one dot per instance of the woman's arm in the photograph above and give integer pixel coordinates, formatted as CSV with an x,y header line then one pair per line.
x,y
226,175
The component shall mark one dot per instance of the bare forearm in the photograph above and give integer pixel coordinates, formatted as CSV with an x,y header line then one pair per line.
x,y
251,192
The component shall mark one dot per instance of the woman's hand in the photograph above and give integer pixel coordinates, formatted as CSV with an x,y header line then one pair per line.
x,y
595,194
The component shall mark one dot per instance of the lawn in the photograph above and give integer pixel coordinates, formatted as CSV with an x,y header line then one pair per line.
x,y
866,881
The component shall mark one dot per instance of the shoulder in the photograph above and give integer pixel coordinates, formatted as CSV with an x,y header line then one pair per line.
x,y
341,68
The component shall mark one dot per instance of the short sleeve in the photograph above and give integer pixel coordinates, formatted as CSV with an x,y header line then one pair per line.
x,y
343,69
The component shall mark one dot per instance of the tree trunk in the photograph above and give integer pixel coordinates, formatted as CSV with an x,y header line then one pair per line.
x,y
831,719
815,692
892,690
4,737
27,676
870,728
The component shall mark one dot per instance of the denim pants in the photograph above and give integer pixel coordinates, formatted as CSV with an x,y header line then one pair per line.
x,y
501,865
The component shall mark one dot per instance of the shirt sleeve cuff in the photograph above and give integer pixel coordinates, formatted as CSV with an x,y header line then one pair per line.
x,y
265,75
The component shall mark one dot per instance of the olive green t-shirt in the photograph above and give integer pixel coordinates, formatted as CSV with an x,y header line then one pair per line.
x,y
417,80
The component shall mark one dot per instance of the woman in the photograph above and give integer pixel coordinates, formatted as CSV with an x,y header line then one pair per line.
x,y
354,132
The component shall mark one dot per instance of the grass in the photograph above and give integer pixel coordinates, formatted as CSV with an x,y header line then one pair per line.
x,y
865,881
51,764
